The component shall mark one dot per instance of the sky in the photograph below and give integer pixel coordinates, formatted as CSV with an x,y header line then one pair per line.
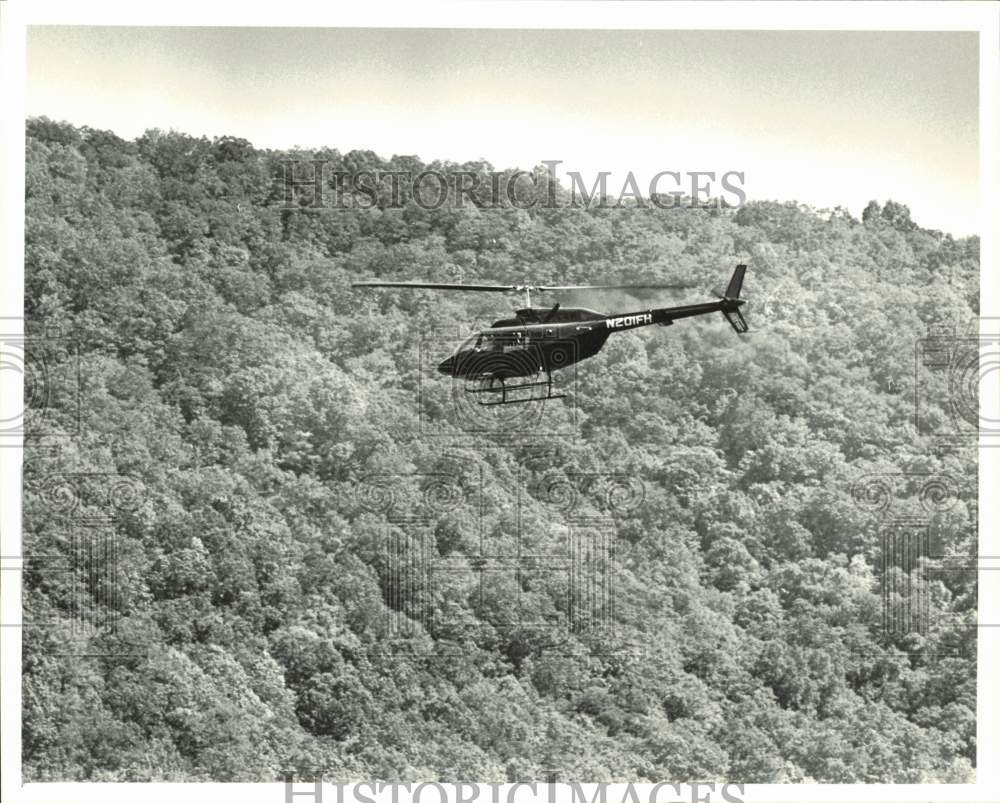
x,y
822,118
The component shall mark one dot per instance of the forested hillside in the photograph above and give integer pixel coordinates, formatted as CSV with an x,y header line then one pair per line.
x,y
275,428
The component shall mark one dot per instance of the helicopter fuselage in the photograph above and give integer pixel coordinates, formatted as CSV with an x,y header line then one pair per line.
x,y
545,340
538,340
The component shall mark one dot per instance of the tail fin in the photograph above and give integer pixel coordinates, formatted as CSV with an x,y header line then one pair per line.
x,y
731,301
736,283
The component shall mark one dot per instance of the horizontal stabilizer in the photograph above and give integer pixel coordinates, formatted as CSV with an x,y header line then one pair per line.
x,y
736,320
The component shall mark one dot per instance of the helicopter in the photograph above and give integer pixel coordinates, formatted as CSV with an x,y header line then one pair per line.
x,y
540,340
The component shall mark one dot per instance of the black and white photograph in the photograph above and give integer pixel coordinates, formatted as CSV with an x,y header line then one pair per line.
x,y
581,402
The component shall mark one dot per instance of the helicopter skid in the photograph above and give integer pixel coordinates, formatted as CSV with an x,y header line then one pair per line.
x,y
506,390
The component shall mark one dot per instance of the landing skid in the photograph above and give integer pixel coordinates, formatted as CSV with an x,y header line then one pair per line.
x,y
505,390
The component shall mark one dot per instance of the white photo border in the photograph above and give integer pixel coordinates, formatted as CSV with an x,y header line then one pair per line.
x,y
17,15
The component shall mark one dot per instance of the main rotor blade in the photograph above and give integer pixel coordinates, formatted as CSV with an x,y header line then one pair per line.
x,y
558,287
480,288
506,288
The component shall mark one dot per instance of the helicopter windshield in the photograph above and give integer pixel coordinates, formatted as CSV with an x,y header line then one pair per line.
x,y
474,342
493,341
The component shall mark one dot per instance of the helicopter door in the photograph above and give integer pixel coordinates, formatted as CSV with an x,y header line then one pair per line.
x,y
514,341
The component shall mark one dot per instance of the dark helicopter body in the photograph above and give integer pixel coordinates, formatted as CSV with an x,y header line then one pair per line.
x,y
531,342
547,340
541,340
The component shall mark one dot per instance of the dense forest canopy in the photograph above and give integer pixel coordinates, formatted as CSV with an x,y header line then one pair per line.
x,y
257,406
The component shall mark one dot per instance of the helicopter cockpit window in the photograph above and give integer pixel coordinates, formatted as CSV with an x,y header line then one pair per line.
x,y
475,342
495,341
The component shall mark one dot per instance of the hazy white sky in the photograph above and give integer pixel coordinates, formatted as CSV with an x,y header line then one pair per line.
x,y
825,118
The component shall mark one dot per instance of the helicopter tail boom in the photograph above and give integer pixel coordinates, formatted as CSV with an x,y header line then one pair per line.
x,y
729,305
